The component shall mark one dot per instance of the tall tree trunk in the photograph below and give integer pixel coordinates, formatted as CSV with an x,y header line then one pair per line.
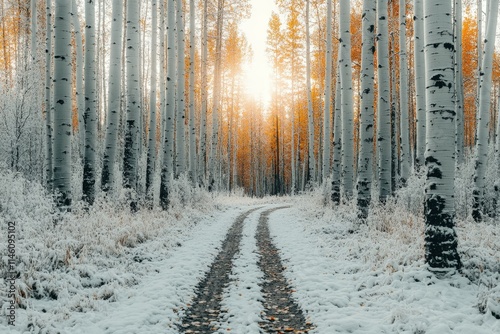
x,y
133,108
419,70
216,93
440,237
192,128
151,159
204,97
403,97
80,94
180,119
383,104
62,104
328,92
48,98
168,147
311,162
459,85
34,29
367,111
114,97
90,115
483,121
337,143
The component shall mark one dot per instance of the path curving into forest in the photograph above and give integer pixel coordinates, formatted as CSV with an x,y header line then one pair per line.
x,y
280,312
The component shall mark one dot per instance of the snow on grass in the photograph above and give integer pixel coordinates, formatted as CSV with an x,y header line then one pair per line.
x,y
373,279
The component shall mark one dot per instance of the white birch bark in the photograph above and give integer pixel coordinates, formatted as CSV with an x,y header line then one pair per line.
x,y
192,128
440,237
483,120
346,97
419,70
180,119
48,98
62,104
133,105
311,162
216,93
459,85
202,164
383,104
403,97
168,146
114,97
328,91
80,94
90,114
151,158
337,143
364,180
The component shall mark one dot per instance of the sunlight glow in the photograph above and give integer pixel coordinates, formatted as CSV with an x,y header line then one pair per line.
x,y
258,71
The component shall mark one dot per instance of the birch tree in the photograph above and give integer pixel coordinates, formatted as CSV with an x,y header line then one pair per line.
x,y
133,106
80,94
48,98
483,120
34,29
151,158
180,135
114,95
90,115
419,70
202,164
62,103
216,93
459,85
328,91
337,143
346,98
403,96
192,127
168,146
440,236
311,162
383,104
367,111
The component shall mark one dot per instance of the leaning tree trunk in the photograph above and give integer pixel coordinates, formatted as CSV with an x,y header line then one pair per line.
x,y
367,111
192,128
440,236
168,146
48,98
151,158
459,85
483,121
180,135
62,104
403,97
328,93
383,104
133,107
346,99
114,97
419,70
90,115
310,176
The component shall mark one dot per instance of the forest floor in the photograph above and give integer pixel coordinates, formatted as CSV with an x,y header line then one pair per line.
x,y
276,265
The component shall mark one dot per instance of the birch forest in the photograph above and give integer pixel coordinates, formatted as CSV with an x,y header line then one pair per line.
x,y
148,105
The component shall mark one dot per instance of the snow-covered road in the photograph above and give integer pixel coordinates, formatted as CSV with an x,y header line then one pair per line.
x,y
329,279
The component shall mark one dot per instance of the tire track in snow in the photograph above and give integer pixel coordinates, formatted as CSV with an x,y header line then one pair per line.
x,y
281,313
204,311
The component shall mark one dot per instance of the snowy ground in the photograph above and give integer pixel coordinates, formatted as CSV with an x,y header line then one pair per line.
x,y
370,281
